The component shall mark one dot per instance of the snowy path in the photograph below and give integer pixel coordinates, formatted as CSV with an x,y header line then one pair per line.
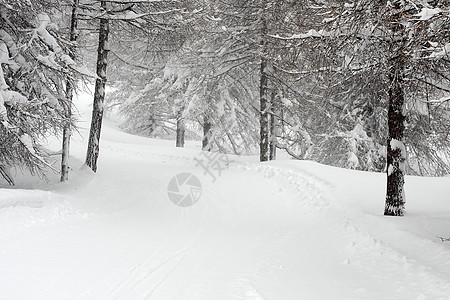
x,y
273,231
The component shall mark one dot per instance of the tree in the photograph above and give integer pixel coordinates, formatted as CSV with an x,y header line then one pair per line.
x,y
264,151
135,14
99,93
34,68
189,88
390,39
207,134
221,62
67,131
396,150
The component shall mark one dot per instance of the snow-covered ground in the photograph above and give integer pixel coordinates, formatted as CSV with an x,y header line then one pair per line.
x,y
279,230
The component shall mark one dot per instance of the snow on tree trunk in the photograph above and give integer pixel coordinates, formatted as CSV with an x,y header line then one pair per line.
x,y
396,150
206,143
99,94
263,93
67,130
181,128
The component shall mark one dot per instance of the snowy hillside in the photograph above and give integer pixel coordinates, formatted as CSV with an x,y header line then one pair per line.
x,y
279,230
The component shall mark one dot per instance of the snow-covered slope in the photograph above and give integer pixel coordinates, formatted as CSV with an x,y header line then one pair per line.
x,y
279,230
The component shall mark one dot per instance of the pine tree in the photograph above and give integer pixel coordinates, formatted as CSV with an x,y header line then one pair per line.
x,y
401,42
34,69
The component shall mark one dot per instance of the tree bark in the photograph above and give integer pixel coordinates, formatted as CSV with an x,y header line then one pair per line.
x,y
67,130
99,95
396,150
273,128
181,128
263,93
207,134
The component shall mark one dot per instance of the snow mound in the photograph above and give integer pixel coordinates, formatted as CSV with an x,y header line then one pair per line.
x,y
20,208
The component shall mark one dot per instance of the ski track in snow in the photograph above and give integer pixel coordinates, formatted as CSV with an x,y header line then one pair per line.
x,y
362,242
261,231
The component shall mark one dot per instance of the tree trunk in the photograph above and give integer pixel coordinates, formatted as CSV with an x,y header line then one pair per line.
x,y
264,116
273,128
207,134
67,133
180,129
396,150
67,130
233,144
99,95
6,175
263,95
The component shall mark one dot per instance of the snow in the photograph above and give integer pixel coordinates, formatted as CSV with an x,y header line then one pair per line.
x,y
312,33
441,52
286,102
396,144
48,96
5,94
441,100
3,111
353,161
279,230
390,170
428,13
41,30
221,104
358,132
56,52
4,58
349,5
27,141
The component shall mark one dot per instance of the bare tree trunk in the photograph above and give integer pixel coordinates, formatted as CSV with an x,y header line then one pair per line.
x,y
181,128
273,128
264,116
396,150
99,95
263,94
6,175
233,144
67,131
207,134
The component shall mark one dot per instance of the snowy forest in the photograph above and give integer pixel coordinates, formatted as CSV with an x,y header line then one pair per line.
x,y
360,85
